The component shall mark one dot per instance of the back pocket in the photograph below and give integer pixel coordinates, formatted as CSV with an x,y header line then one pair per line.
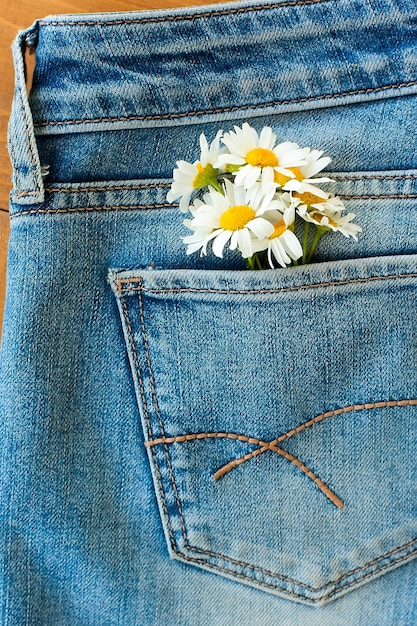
x,y
278,410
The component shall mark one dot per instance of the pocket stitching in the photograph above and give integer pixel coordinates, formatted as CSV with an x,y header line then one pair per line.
x,y
186,557
140,287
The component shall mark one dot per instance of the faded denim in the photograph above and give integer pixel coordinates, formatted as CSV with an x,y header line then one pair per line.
x,y
131,374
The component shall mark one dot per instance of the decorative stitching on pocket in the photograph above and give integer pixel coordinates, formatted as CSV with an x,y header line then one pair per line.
x,y
272,445
158,413
314,589
324,488
371,176
243,107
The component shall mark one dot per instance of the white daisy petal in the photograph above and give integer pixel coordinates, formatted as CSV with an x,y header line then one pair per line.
x,y
267,138
260,227
245,243
220,241
291,244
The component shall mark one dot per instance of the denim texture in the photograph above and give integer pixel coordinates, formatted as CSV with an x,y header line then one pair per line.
x,y
131,374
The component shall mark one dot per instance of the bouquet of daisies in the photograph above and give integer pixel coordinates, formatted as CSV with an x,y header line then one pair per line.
x,y
248,193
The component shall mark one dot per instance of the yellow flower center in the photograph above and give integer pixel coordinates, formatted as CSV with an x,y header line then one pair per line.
x,y
280,227
309,198
237,217
319,217
261,157
281,179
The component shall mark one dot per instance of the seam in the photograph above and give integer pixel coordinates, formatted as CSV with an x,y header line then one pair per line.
x,y
165,204
369,176
298,595
25,193
161,425
243,107
331,583
257,291
398,196
372,176
109,188
147,419
96,208
176,18
212,565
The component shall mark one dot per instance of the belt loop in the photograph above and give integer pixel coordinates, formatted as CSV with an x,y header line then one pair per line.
x,y
28,185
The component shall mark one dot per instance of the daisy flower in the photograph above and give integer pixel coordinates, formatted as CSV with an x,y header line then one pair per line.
x,y
191,176
300,179
257,156
329,215
234,218
282,243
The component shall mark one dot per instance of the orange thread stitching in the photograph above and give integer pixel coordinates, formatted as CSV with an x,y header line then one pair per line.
x,y
355,407
235,108
372,176
399,196
270,446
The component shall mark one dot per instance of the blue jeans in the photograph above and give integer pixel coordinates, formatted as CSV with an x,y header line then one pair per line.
x,y
186,442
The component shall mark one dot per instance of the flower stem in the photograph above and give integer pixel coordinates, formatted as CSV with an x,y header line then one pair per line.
x,y
320,230
305,242
258,261
250,262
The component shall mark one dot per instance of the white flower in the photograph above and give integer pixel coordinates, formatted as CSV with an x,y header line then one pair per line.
x,y
300,179
329,214
191,176
235,217
257,157
282,243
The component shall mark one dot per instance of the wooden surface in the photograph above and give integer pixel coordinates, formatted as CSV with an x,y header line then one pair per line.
x,y
19,14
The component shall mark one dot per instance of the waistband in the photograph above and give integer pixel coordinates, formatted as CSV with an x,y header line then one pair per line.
x,y
235,59
198,64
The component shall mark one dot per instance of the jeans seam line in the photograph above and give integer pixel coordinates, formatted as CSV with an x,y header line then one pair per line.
x,y
163,116
259,291
147,418
109,188
308,587
127,207
188,17
158,413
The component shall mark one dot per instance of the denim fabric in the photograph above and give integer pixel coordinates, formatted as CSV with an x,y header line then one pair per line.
x,y
186,442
